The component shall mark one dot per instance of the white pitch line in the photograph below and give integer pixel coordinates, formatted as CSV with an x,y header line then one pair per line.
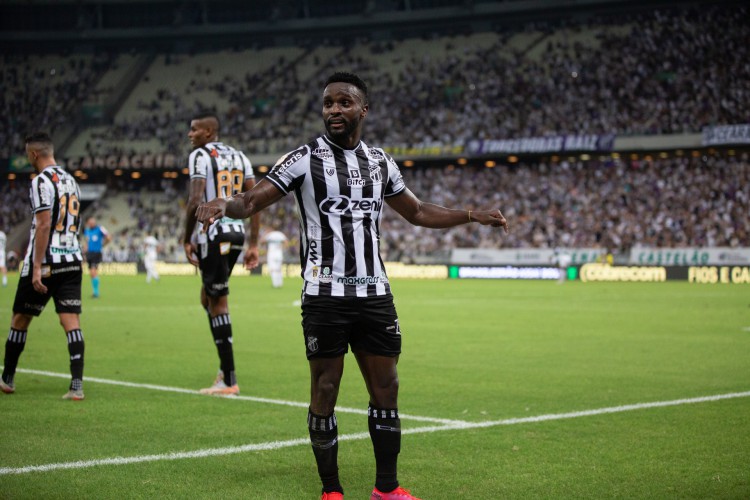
x,y
275,445
296,404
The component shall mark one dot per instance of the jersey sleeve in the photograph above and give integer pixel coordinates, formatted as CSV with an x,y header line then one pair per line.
x,y
247,166
198,164
42,194
290,169
395,183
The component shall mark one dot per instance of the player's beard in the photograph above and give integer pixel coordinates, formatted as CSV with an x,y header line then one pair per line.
x,y
344,133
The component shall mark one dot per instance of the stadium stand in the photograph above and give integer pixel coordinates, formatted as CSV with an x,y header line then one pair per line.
x,y
653,72
598,77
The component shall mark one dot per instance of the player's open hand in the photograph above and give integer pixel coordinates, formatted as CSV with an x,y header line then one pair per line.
x,y
210,212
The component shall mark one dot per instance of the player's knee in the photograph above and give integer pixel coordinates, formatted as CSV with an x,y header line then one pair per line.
x,y
324,395
385,392
20,321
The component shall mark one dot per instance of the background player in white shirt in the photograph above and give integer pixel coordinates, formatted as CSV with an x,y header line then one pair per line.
x,y
150,254
3,268
563,260
275,256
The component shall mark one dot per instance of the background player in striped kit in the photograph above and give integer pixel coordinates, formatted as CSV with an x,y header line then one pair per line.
x,y
340,184
52,266
217,170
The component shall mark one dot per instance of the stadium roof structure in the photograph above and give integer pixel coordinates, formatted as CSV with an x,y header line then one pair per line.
x,y
90,24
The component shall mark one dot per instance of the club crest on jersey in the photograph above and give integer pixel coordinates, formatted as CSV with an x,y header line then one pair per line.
x,y
375,174
322,153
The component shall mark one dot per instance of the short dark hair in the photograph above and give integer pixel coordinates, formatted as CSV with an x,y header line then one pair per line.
x,y
343,76
40,137
43,142
206,115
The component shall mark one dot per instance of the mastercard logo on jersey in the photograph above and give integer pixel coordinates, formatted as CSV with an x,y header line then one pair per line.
x,y
214,153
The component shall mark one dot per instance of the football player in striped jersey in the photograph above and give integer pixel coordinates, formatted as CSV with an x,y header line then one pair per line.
x,y
218,170
52,266
340,184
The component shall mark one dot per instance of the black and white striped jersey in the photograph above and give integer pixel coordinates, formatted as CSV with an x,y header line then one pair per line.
x,y
225,170
56,190
340,195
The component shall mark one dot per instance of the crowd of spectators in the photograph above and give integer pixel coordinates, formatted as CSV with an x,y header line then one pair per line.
x,y
667,72
684,201
612,204
672,71
38,93
14,209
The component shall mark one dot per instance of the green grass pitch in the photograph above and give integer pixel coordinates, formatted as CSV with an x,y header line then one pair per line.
x,y
473,352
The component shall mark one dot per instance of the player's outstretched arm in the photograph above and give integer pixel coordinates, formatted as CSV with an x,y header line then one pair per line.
x,y
252,230
239,206
430,215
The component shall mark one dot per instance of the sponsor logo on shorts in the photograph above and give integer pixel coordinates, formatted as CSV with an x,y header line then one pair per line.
x,y
70,303
220,286
394,328
312,344
67,269
34,307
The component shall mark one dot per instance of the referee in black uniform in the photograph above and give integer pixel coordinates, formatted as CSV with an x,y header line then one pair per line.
x,y
340,184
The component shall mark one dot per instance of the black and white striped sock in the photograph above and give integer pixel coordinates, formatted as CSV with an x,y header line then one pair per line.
x,y
221,329
76,348
13,348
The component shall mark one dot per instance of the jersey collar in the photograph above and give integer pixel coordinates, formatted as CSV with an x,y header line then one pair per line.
x,y
333,144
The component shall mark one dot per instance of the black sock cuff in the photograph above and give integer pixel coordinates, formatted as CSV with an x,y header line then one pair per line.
x,y
381,413
321,422
17,336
